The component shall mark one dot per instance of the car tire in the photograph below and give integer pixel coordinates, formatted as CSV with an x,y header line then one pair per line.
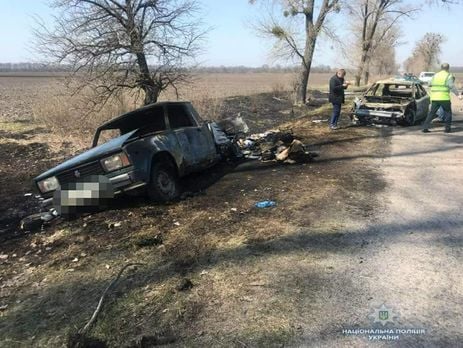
x,y
409,117
164,185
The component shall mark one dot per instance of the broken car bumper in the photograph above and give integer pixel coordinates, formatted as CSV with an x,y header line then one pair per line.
x,y
365,113
120,183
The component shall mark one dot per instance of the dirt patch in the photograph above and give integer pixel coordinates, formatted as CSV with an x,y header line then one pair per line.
x,y
237,256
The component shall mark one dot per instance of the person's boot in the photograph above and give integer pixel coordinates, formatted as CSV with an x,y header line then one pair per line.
x,y
448,129
426,130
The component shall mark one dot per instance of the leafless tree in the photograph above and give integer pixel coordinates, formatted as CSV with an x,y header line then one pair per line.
x,y
113,45
295,17
426,53
376,18
383,60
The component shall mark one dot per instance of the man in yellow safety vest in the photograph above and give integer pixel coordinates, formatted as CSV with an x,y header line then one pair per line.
x,y
441,85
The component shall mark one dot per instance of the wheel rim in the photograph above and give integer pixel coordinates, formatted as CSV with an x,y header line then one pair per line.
x,y
165,183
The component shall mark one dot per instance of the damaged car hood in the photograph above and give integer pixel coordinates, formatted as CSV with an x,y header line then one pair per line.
x,y
97,152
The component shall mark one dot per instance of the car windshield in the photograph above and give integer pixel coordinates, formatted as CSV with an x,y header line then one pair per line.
x,y
391,90
107,134
145,121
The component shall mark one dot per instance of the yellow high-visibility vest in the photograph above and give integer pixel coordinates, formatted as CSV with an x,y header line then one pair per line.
x,y
439,89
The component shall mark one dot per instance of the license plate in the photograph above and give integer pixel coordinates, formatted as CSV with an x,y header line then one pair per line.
x,y
88,195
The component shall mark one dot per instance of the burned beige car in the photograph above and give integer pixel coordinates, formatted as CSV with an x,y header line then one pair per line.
x,y
393,101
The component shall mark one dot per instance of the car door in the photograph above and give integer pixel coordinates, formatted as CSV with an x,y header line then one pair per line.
x,y
422,102
192,137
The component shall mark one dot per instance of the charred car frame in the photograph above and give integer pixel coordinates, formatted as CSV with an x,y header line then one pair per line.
x,y
395,101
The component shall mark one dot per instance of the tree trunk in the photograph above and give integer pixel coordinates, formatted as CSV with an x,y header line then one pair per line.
x,y
366,76
310,41
151,94
368,33
366,73
302,86
361,68
147,83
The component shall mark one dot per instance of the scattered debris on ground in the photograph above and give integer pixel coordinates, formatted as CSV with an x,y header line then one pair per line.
x,y
275,145
265,204
185,284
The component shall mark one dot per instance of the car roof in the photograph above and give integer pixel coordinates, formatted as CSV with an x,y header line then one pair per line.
x,y
398,81
115,122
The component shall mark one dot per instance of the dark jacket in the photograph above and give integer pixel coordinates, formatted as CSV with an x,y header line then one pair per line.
x,y
336,90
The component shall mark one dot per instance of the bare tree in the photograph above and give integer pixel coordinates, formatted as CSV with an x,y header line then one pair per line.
x,y
426,53
376,18
112,45
286,31
383,60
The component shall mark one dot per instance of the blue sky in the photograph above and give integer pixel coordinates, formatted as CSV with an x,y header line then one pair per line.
x,y
232,40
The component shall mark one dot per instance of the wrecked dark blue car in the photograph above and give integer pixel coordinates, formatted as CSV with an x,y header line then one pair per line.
x,y
149,150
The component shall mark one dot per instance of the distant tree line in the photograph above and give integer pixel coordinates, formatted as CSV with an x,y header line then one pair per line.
x,y
262,69
425,55
38,67
24,66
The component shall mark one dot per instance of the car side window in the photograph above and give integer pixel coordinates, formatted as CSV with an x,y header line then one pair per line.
x,y
418,93
147,121
154,121
179,117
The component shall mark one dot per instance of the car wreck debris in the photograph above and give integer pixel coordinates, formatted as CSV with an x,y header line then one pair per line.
x,y
265,204
148,151
275,146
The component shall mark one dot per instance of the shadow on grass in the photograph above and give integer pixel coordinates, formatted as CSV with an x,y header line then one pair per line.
x,y
56,309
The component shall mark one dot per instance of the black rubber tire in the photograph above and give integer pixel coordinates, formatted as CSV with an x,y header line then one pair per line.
x,y
164,185
410,117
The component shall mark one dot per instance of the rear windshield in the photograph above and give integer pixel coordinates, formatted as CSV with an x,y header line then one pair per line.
x,y
428,74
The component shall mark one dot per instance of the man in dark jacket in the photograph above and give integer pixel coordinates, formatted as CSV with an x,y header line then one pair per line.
x,y
336,97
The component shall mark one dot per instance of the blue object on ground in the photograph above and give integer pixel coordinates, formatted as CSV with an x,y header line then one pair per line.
x,y
265,204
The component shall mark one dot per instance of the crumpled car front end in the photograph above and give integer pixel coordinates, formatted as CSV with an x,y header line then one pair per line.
x,y
365,112
88,179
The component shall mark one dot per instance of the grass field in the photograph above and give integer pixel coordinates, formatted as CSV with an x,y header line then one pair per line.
x,y
44,98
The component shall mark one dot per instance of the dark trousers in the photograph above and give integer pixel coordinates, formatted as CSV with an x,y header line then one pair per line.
x,y
435,105
336,114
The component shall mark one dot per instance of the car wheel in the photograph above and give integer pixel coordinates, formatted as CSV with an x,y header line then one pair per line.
x,y
164,185
409,117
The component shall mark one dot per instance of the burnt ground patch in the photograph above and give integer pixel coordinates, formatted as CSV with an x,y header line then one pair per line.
x,y
218,239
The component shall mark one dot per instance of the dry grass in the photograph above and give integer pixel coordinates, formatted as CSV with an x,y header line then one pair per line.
x,y
66,117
